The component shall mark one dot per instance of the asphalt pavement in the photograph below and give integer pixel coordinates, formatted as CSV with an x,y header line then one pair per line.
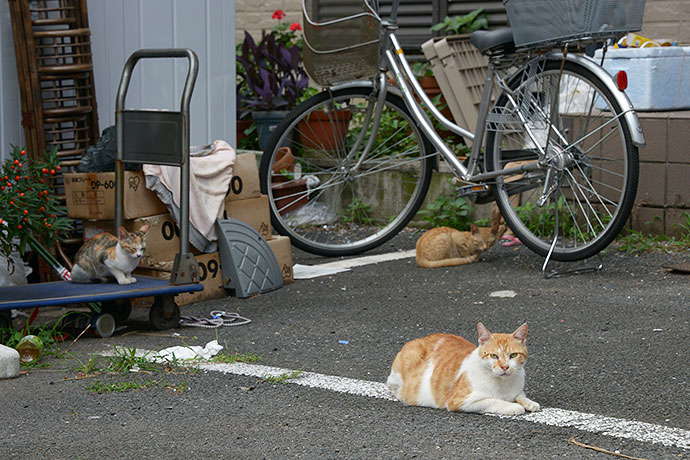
x,y
611,345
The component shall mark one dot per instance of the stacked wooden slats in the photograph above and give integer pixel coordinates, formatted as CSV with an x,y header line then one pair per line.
x,y
53,50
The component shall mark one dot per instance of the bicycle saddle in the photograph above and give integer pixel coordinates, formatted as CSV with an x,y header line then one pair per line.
x,y
493,41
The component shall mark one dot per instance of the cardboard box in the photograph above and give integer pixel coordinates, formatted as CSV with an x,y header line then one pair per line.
x,y
282,249
210,276
92,196
253,211
162,240
245,178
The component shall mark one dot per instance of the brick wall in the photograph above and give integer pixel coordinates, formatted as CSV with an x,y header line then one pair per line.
x,y
667,19
255,16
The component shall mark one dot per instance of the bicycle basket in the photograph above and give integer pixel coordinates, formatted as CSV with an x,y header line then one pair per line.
x,y
341,40
538,23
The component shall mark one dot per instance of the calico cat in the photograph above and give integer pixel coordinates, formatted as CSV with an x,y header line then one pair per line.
x,y
104,256
447,371
445,246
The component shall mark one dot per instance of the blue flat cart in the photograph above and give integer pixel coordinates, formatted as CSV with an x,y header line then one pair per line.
x,y
143,136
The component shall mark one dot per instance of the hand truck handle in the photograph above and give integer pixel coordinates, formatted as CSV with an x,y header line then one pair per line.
x,y
157,54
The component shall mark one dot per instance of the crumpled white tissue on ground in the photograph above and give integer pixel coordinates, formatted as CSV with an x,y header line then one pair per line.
x,y
189,353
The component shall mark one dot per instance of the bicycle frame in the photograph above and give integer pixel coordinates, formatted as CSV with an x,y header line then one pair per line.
x,y
393,59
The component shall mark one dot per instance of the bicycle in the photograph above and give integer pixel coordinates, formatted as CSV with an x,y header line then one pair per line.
x,y
555,143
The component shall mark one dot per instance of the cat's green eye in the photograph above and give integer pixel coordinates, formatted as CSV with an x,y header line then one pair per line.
x,y
493,356
513,355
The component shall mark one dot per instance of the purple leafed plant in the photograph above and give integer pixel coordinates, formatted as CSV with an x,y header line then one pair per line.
x,y
273,74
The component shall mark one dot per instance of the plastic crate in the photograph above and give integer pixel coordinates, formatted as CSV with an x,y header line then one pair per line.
x,y
460,70
537,23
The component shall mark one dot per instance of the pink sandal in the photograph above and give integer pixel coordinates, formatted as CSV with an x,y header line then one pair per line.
x,y
510,240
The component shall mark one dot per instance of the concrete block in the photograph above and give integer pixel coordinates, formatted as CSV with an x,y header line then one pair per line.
x,y
678,185
655,135
648,220
679,138
674,218
9,362
651,187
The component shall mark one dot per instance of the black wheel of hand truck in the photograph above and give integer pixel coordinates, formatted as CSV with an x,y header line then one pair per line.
x,y
5,325
164,313
120,309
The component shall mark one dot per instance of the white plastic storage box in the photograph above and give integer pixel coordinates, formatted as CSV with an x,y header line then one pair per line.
x,y
658,78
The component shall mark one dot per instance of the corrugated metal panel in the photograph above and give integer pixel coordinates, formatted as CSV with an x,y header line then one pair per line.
x,y
120,27
415,17
10,105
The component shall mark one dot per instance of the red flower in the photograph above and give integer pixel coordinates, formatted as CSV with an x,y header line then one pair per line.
x,y
278,14
295,26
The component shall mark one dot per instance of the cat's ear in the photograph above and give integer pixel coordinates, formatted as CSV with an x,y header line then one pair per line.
x,y
122,233
484,334
498,229
474,229
521,333
144,228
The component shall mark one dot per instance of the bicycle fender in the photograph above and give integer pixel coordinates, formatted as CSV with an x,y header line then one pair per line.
x,y
363,84
622,99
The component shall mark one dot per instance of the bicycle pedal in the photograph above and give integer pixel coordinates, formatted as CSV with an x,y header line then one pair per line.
x,y
470,190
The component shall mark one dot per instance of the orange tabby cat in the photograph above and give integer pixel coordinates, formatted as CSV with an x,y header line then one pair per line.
x,y
445,246
447,371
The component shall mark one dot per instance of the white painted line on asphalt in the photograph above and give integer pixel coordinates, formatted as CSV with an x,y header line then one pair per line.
x,y
331,268
609,426
367,260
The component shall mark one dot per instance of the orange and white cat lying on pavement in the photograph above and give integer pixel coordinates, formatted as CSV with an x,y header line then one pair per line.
x,y
447,371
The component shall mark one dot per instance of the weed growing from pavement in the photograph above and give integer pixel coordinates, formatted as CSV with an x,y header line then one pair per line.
x,y
235,357
635,242
99,387
284,377
126,360
89,367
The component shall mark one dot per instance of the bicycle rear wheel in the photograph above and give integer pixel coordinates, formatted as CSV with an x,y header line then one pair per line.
x,y
584,194
327,198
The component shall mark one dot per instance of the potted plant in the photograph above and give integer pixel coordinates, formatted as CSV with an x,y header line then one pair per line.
x,y
466,24
30,211
274,76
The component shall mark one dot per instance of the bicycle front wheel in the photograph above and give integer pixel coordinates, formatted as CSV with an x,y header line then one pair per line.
x,y
583,194
328,195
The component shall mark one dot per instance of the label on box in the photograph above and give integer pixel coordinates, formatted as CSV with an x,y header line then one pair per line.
x,y
210,276
92,196
282,249
245,178
252,211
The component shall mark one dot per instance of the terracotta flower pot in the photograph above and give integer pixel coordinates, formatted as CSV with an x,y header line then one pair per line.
x,y
320,133
290,195
242,125
285,161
